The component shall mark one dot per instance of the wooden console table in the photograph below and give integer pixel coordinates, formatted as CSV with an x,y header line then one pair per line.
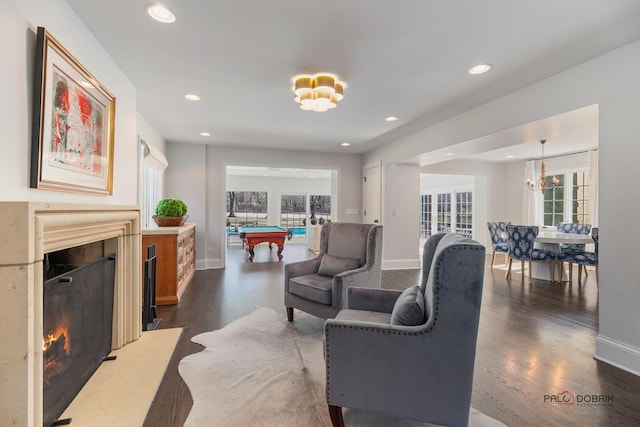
x,y
176,259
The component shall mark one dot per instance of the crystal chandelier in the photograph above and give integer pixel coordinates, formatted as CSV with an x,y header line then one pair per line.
x,y
541,183
318,92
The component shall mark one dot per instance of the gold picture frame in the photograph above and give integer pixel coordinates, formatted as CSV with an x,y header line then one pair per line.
x,y
73,123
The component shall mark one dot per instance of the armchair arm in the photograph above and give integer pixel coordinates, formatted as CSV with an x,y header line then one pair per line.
x,y
360,277
372,299
301,268
358,354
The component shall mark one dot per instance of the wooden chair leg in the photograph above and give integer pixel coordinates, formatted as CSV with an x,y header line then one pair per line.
x,y
552,268
522,268
560,270
335,412
570,271
290,314
509,268
579,273
530,275
586,272
493,258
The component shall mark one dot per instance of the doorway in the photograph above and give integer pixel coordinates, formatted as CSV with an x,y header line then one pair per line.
x,y
291,198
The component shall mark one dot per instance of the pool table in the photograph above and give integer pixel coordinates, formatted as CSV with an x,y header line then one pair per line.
x,y
251,236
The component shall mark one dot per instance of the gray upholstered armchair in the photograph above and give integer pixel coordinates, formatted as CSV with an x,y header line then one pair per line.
x,y
349,256
411,353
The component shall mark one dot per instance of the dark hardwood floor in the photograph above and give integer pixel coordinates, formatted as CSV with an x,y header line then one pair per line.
x,y
535,341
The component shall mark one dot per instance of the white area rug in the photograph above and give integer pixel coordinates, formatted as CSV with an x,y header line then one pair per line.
x,y
264,371
121,391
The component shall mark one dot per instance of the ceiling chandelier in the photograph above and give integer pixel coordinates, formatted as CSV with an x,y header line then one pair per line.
x,y
541,183
318,92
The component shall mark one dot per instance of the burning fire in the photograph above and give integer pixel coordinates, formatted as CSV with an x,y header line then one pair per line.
x,y
61,330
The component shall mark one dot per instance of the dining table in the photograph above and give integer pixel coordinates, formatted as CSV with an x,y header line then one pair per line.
x,y
551,239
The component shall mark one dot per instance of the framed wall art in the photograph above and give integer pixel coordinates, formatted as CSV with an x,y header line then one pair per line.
x,y
73,123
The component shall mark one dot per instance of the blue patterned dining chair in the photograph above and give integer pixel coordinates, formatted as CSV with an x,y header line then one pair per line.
x,y
521,239
498,232
568,227
582,258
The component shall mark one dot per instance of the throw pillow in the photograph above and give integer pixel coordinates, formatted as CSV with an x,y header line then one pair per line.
x,y
332,265
409,308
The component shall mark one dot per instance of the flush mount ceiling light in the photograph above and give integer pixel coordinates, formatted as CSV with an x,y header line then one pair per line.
x,y
192,97
205,134
479,69
391,118
318,92
160,13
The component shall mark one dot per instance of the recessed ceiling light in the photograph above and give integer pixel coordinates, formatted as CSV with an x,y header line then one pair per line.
x,y
345,144
449,154
192,97
479,69
205,134
510,156
160,13
391,118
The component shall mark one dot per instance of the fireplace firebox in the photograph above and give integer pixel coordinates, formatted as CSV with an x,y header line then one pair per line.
x,y
77,328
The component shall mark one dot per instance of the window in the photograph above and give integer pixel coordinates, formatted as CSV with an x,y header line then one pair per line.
x,y
569,202
426,215
453,213
443,219
247,208
152,165
554,202
320,208
293,213
580,190
464,223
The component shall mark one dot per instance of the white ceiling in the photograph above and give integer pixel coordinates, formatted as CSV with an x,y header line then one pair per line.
x,y
405,58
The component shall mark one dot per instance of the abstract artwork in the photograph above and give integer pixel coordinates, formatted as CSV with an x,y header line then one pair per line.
x,y
73,127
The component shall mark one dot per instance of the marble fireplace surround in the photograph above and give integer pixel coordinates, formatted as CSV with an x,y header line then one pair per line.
x,y
28,230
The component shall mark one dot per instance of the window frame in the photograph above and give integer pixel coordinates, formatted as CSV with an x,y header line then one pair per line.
x,y
567,200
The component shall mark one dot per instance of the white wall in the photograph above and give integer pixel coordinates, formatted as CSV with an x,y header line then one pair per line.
x,y
612,82
148,133
19,20
401,216
206,192
186,179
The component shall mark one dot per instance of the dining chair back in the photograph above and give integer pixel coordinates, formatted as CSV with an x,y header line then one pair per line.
x,y
568,227
498,233
521,240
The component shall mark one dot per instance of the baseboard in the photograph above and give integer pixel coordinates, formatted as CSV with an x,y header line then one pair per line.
x,y
401,264
618,354
208,264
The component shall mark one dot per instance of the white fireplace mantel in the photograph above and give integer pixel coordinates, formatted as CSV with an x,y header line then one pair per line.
x,y
28,230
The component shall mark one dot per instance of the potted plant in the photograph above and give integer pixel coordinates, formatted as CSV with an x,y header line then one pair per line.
x,y
170,213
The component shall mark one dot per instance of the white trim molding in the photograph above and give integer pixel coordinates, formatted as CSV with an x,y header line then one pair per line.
x,y
618,354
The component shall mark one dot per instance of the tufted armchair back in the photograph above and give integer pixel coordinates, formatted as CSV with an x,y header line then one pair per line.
x,y
422,371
